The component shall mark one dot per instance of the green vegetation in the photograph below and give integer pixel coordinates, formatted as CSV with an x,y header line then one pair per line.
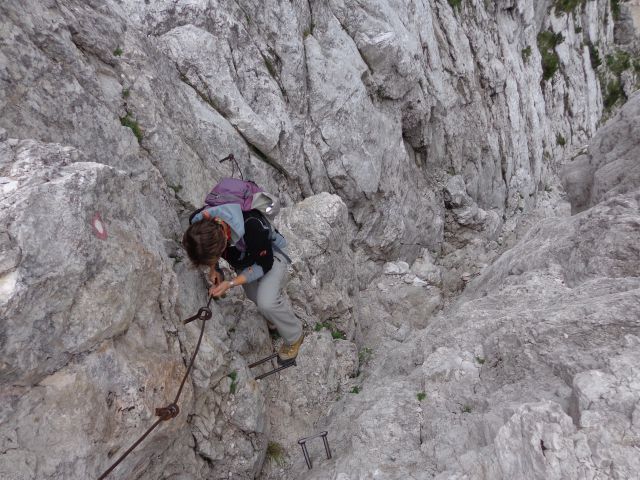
x,y
234,381
480,360
466,409
309,30
455,3
615,9
567,6
355,390
118,51
127,121
270,67
594,54
526,54
335,332
421,396
365,354
618,62
578,29
560,140
125,93
613,92
547,42
275,453
175,188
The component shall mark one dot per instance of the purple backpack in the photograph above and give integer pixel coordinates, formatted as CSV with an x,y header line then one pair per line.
x,y
246,194
233,190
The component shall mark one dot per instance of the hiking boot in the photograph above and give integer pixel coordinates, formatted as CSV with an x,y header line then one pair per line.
x,y
288,353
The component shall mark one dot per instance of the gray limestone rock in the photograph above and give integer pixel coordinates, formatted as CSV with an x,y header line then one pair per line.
x,y
611,165
387,129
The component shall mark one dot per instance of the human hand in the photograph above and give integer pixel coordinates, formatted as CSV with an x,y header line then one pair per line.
x,y
221,289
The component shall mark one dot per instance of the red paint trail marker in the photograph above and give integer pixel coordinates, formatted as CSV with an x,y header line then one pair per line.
x,y
98,226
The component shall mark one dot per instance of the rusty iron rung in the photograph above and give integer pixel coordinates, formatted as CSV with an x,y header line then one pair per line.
x,y
264,360
303,443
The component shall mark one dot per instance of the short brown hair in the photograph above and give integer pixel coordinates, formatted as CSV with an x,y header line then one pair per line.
x,y
204,241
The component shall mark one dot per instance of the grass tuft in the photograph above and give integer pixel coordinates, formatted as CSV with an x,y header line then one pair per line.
x,y
234,382
336,333
275,453
421,396
560,140
526,54
365,354
127,121
118,51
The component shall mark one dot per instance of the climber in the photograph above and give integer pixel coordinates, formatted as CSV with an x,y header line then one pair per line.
x,y
248,243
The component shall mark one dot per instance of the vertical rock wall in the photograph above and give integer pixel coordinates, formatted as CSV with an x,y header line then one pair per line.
x,y
382,114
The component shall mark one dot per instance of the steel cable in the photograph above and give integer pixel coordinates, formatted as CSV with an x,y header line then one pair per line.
x,y
172,410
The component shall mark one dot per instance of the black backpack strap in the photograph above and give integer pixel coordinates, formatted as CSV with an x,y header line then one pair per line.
x,y
195,212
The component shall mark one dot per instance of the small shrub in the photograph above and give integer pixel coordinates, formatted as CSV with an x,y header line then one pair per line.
x,y
567,6
125,93
455,3
594,55
526,54
175,188
613,93
127,121
480,360
234,381
618,62
275,453
466,409
118,51
578,29
355,390
560,140
547,42
421,396
615,9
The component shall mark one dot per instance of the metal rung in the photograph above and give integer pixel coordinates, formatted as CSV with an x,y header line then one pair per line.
x,y
302,442
287,364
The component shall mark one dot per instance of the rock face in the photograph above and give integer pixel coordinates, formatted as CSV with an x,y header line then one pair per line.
x,y
610,166
531,373
406,141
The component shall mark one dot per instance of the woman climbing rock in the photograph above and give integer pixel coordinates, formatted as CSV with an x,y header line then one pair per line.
x,y
246,240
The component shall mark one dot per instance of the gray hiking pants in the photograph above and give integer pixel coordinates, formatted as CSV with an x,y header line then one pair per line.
x,y
266,293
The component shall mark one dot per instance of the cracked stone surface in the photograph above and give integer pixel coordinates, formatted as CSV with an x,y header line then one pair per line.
x,y
414,148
